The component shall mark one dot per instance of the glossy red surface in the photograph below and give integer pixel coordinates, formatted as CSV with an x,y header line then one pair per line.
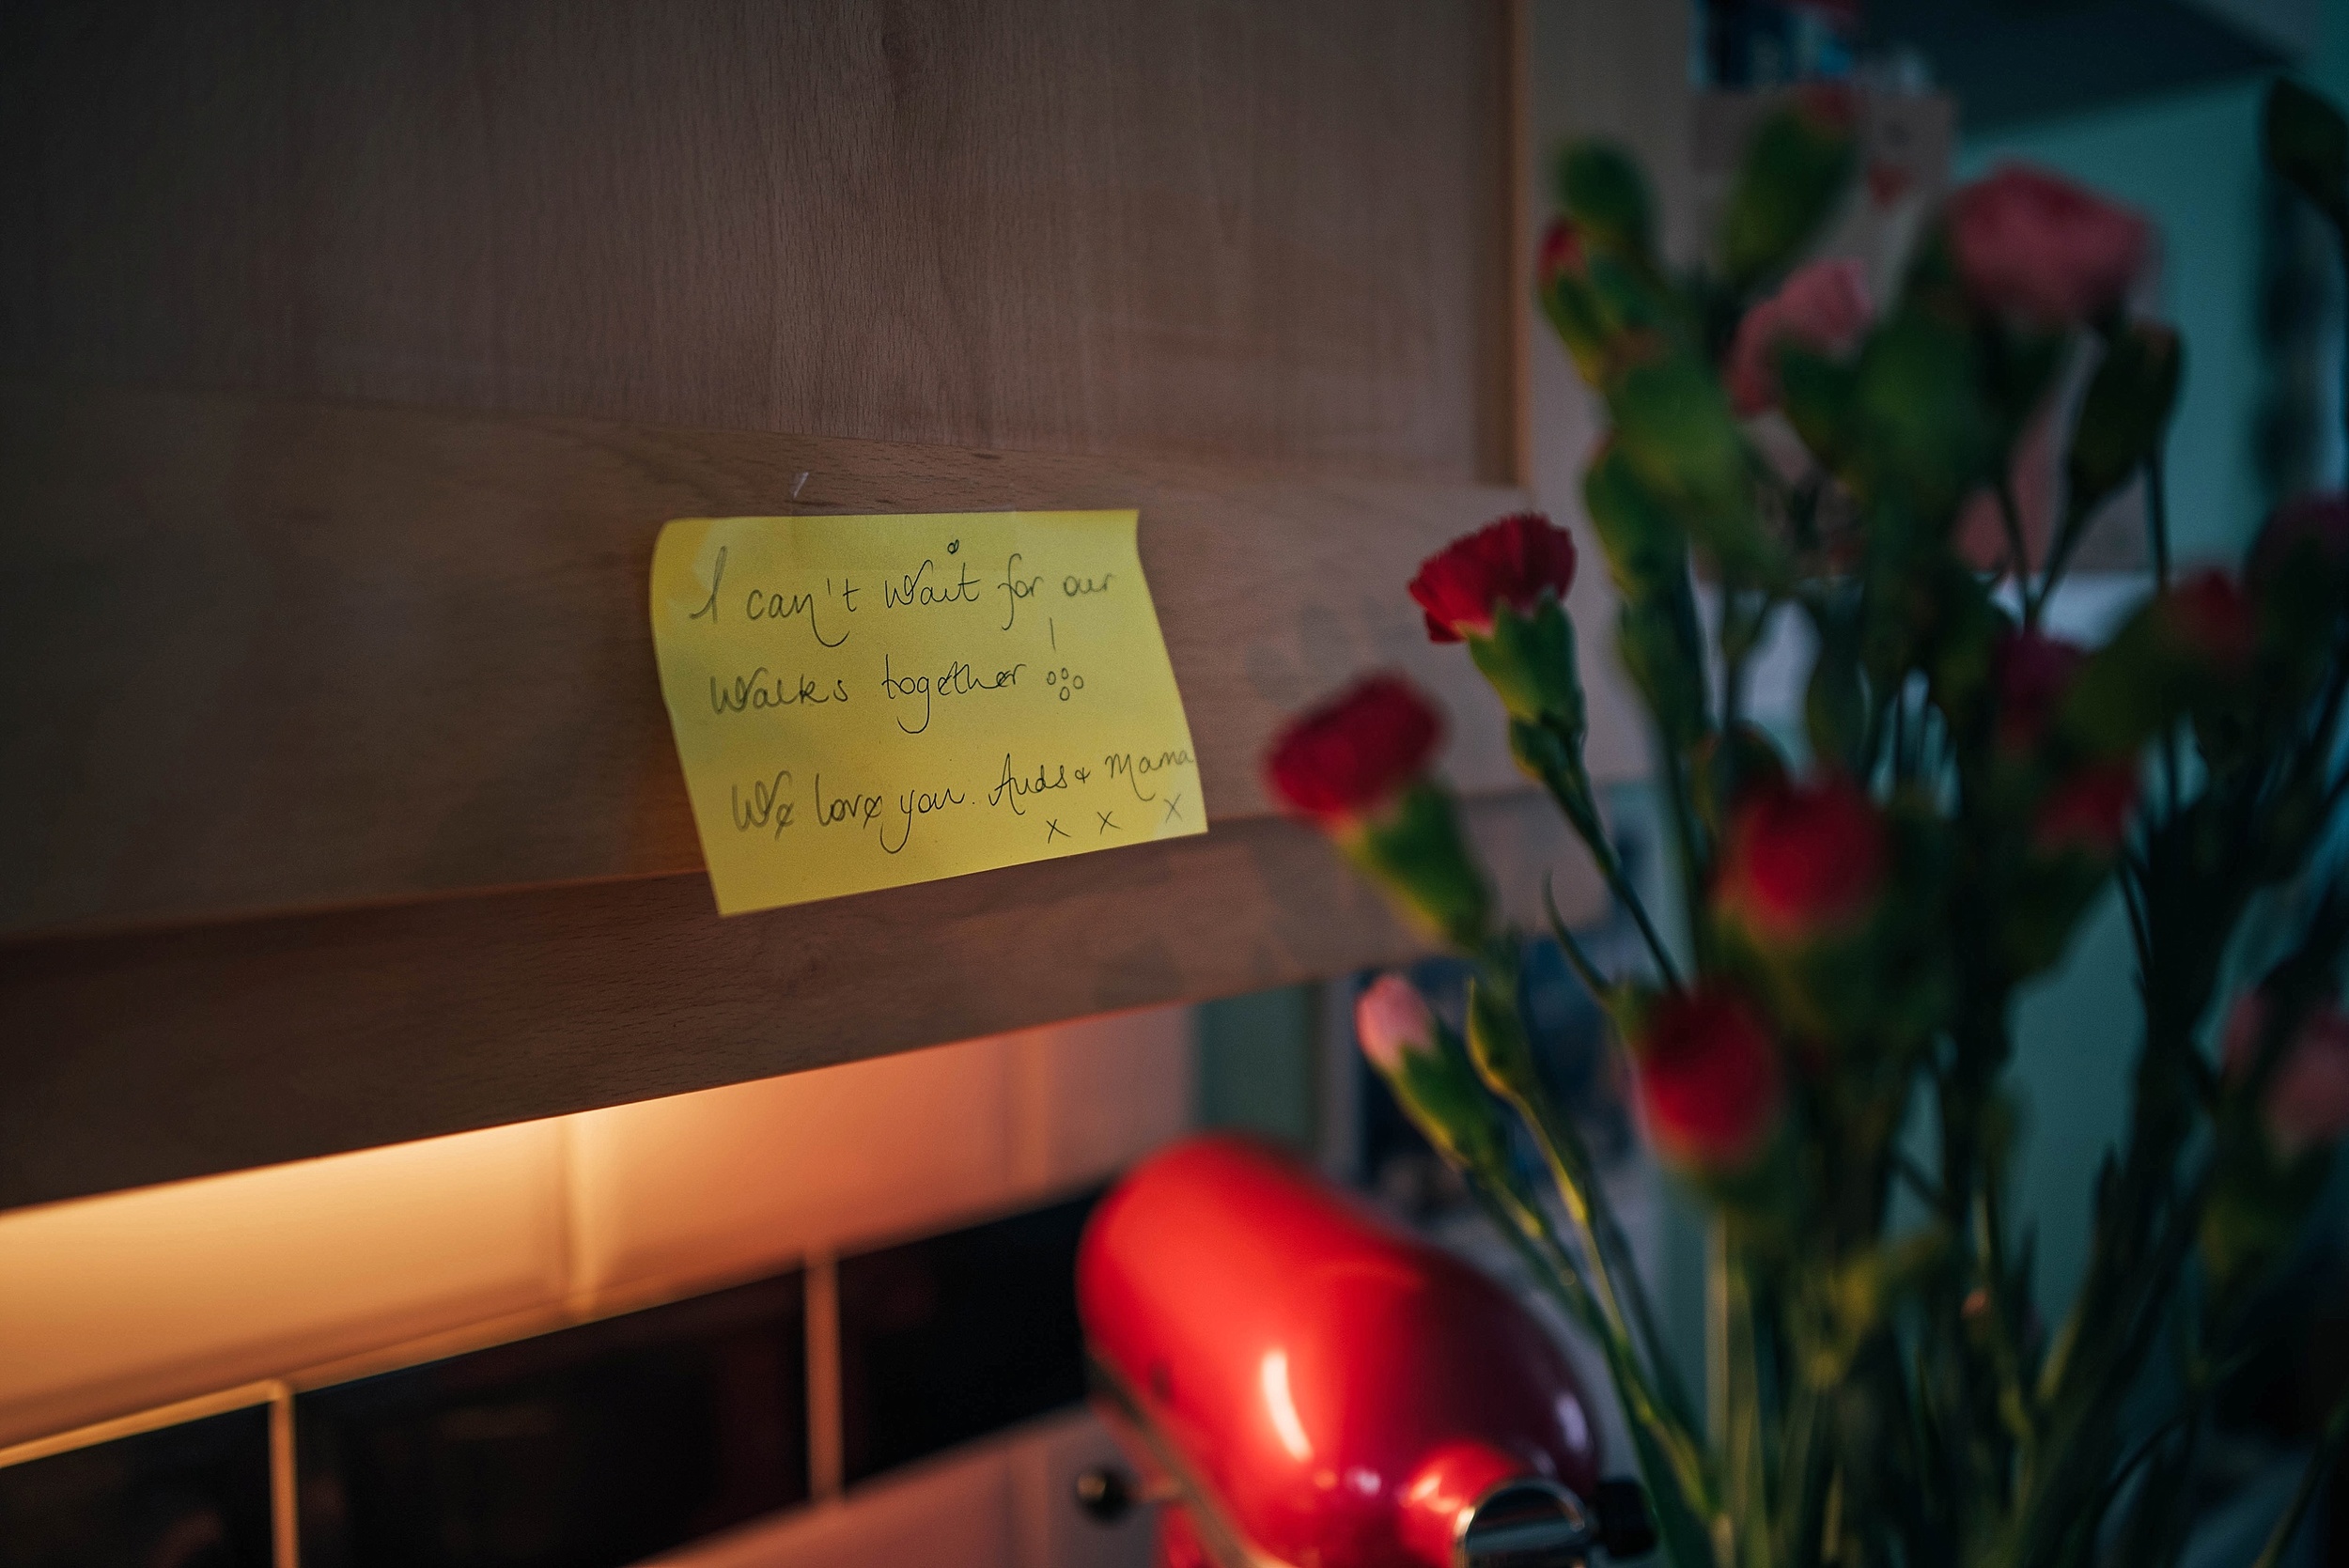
x,y
1344,1390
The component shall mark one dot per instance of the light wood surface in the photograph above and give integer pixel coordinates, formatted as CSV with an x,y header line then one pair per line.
x,y
263,657
1173,227
143,1058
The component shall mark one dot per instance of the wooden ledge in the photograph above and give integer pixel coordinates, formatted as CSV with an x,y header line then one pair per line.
x,y
133,1059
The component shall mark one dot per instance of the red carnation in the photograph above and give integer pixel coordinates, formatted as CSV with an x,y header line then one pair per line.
x,y
1561,254
2088,812
1711,1087
2042,250
2317,523
2308,1095
2208,616
1355,753
2033,672
1803,861
1512,561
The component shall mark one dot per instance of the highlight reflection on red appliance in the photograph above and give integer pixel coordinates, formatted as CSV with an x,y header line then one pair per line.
x,y
1310,1385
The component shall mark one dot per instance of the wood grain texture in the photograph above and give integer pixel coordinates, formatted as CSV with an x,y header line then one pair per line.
x,y
1164,226
261,656
150,1057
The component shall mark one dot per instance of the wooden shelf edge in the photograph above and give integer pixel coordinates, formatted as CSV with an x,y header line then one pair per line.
x,y
141,1059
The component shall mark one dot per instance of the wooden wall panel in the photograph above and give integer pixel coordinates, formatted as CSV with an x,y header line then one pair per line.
x,y
351,355
146,1058
1169,227
260,656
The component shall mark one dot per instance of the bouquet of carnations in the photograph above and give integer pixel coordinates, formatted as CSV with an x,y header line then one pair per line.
x,y
1823,1054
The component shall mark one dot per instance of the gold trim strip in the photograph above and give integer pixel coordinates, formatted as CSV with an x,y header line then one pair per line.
x,y
138,1423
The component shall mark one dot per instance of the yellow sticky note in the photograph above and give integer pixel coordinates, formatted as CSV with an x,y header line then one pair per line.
x,y
865,702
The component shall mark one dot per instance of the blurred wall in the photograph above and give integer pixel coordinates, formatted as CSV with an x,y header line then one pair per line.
x,y
2190,161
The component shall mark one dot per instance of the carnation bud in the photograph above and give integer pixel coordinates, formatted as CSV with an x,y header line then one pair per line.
x,y
1804,860
2041,251
1561,255
2033,672
1711,1087
1391,1020
2088,813
1796,166
2122,415
2306,1104
2206,618
2307,533
1823,307
1607,197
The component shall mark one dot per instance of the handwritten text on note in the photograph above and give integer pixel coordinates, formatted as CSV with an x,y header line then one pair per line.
x,y
865,702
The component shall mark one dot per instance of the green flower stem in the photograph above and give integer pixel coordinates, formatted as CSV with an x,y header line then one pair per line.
x,y
1738,1433
1579,961
2019,553
1528,1229
2092,1379
2015,1404
1803,1479
1571,1168
2320,1464
1689,850
1506,1065
1562,772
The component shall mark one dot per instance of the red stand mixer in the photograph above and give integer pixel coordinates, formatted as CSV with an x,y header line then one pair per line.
x,y
1307,1385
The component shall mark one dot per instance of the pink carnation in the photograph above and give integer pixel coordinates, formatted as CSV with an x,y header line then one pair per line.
x,y
1389,1019
2308,1098
1823,307
2042,250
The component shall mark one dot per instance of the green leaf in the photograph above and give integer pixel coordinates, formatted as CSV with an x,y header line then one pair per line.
x,y
1498,1046
1647,549
2132,689
2121,422
1923,432
1796,170
1817,394
1438,1091
1675,426
1530,662
1654,640
2306,140
1420,855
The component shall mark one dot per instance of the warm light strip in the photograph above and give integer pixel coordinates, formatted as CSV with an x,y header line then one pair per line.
x,y
486,1335
243,1396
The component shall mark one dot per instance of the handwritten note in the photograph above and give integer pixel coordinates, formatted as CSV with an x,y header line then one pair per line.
x,y
865,702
